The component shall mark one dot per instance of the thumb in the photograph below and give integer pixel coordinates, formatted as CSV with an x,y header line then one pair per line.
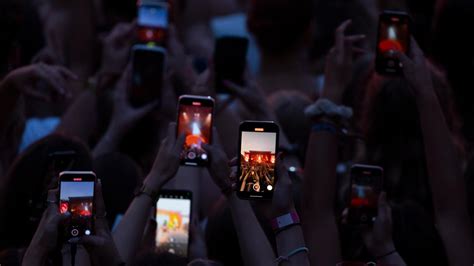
x,y
383,209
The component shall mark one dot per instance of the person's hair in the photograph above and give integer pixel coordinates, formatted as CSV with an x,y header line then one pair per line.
x,y
24,189
279,25
120,176
390,124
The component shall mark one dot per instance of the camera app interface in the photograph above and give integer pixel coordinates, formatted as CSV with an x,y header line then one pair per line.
x,y
147,77
393,36
77,197
257,161
195,121
172,218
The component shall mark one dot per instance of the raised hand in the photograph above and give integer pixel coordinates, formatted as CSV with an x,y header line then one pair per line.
x,y
219,164
338,69
23,81
415,69
126,116
282,202
100,246
45,239
116,48
167,161
378,239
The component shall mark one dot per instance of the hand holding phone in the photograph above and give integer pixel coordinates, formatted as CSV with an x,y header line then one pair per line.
x,y
258,151
195,115
365,189
393,35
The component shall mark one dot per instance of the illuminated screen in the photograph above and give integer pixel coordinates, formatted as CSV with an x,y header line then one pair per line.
x,y
78,198
195,122
173,218
153,16
393,35
257,161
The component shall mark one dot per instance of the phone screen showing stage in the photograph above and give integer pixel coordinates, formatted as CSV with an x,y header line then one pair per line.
x,y
173,217
257,163
77,198
195,122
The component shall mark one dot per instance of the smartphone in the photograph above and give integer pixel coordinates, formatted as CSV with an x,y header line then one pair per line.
x,y
153,22
173,218
195,114
393,35
366,186
76,196
148,67
61,161
229,61
258,150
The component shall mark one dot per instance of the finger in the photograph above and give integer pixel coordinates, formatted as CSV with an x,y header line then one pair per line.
x,y
66,72
216,142
357,50
121,91
171,134
415,51
282,173
347,53
383,207
354,38
100,210
42,73
345,214
178,148
38,95
233,162
52,197
339,41
92,241
54,74
232,87
407,63
142,111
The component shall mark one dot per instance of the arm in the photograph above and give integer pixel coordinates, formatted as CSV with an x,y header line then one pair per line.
x,y
319,185
123,119
255,247
442,161
129,232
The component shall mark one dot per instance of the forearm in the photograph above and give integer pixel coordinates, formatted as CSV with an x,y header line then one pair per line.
x,y
255,247
319,190
290,240
392,259
129,232
446,181
34,256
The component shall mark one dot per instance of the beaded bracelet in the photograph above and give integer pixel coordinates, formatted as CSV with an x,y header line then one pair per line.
x,y
291,254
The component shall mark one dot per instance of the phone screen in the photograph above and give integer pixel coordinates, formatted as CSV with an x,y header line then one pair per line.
x,y
147,75
230,60
195,122
173,217
258,147
77,197
393,35
366,185
152,22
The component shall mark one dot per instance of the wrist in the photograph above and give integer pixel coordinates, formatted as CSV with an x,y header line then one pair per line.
x,y
379,250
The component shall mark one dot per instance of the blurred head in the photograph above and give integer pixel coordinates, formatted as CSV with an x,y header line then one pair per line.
x,y
24,189
389,121
280,26
289,107
119,175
